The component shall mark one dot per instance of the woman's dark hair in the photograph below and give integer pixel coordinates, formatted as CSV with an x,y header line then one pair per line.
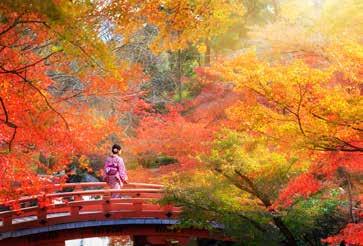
x,y
116,148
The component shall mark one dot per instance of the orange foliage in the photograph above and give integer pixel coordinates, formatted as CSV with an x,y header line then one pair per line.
x,y
142,175
34,120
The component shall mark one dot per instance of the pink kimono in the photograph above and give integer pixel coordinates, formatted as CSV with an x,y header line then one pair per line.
x,y
116,180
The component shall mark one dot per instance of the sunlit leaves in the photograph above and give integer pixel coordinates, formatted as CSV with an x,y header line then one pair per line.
x,y
179,23
297,127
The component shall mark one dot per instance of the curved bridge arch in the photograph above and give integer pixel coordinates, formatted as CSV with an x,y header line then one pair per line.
x,y
90,210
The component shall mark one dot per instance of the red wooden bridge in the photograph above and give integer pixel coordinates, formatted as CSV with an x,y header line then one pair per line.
x,y
91,210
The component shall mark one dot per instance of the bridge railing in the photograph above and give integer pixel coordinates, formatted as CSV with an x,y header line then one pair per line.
x,y
87,201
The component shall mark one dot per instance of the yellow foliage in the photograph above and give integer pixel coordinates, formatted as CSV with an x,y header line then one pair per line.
x,y
293,10
84,163
295,101
342,18
202,48
179,22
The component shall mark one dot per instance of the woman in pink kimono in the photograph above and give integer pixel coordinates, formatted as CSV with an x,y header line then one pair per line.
x,y
115,170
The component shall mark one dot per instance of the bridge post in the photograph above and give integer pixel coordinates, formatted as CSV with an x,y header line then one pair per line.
x,y
75,210
8,220
77,197
137,206
168,209
106,206
42,215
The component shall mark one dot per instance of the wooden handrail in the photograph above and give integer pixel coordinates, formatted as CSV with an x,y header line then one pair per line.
x,y
67,210
81,185
101,192
136,201
95,184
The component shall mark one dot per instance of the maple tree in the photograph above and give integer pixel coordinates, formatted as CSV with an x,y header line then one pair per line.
x,y
41,42
172,135
181,131
243,179
177,24
303,98
36,117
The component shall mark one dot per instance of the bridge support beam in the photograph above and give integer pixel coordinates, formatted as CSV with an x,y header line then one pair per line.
x,y
154,234
151,234
60,218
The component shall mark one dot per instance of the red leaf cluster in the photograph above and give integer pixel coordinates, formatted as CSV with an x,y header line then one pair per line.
x,y
352,234
302,186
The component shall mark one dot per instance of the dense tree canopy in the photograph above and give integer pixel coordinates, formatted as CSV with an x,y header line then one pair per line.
x,y
249,111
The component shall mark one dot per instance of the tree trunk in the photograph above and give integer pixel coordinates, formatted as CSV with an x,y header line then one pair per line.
x,y
284,230
207,53
253,190
179,75
276,7
350,196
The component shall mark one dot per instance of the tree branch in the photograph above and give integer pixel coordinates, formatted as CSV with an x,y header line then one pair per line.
x,y
4,109
335,144
17,21
39,92
267,203
335,123
19,70
234,182
301,95
211,209
8,123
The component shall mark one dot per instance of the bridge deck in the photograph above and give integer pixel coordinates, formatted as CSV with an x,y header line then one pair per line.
x,y
87,202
